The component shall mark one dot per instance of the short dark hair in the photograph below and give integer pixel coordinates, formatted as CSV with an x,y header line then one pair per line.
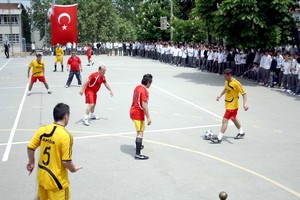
x,y
38,55
228,71
147,78
60,110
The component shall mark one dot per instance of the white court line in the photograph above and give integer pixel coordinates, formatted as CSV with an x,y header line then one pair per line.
x,y
97,135
13,130
5,64
55,86
188,102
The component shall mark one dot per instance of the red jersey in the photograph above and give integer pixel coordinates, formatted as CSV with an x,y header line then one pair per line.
x,y
95,82
140,95
74,63
89,51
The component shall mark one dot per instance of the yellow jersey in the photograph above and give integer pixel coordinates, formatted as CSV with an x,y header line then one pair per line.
x,y
55,144
59,52
37,68
233,89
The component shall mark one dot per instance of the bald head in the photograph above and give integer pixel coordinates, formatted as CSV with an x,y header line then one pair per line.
x,y
102,70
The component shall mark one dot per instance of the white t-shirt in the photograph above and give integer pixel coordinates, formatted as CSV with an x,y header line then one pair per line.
x,y
210,55
286,67
298,68
237,59
267,62
294,66
243,58
179,52
184,53
279,60
33,46
190,52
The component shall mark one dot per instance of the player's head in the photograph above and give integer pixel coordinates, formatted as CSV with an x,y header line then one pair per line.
x,y
102,70
73,53
39,57
147,80
228,74
61,113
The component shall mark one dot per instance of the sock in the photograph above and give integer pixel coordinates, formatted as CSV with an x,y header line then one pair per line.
x,y
62,67
138,143
92,114
241,131
86,116
220,136
55,67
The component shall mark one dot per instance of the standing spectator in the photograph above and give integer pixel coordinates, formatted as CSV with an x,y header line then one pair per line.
x,y
120,49
266,68
6,49
279,71
69,48
294,75
98,48
273,69
210,58
55,158
32,48
183,57
190,52
75,67
298,83
74,46
286,66
260,72
220,60
89,54
237,60
243,62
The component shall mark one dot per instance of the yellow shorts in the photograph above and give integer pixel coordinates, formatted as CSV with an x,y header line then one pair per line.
x,y
59,59
44,194
139,125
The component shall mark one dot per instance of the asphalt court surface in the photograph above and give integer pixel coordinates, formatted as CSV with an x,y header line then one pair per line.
x,y
182,106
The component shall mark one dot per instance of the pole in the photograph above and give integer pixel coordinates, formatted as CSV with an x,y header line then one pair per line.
x,y
171,20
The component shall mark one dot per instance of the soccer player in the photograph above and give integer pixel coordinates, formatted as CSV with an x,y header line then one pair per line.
x,y
89,55
55,158
38,70
232,90
90,89
138,110
74,66
59,52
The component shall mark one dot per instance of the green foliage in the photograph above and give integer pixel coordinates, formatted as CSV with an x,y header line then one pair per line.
x,y
247,23
26,25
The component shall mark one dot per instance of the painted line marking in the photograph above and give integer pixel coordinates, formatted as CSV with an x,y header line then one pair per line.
x,y
273,182
188,102
13,130
96,134
5,64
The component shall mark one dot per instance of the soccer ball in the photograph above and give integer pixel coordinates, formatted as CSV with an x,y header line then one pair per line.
x,y
208,135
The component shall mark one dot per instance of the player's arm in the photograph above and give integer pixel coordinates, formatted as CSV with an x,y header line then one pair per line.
x,y
84,86
109,88
222,93
146,111
31,160
71,166
245,102
28,71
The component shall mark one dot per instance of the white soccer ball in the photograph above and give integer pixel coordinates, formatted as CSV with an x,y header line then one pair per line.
x,y
208,134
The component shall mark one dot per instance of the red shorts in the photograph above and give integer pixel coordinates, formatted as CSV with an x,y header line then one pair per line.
x,y
40,78
89,57
230,114
90,98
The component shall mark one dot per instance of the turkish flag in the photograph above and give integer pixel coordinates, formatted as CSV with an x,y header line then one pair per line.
x,y
64,24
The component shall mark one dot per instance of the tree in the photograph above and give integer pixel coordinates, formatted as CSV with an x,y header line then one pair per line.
x,y
26,24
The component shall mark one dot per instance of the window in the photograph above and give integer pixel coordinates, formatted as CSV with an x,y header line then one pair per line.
x,y
12,38
4,20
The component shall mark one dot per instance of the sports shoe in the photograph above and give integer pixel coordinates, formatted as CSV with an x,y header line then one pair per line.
x,y
215,140
92,63
28,93
94,117
79,85
54,70
49,92
141,157
239,136
66,86
86,122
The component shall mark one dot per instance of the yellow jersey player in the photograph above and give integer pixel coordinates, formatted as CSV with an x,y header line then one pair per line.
x,y
233,88
55,158
59,53
38,71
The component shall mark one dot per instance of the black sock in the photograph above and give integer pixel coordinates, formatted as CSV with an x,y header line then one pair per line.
x,y
55,67
62,67
138,143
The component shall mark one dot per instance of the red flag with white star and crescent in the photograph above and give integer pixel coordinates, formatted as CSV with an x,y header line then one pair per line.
x,y
64,24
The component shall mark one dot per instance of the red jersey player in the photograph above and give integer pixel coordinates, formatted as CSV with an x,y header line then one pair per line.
x,y
89,55
138,110
90,89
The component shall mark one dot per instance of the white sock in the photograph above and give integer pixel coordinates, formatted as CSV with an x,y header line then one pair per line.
x,y
241,131
220,136
86,116
92,114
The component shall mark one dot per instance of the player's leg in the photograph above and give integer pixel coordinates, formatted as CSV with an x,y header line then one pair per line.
x,y
32,81
43,80
69,81
78,76
62,64
238,125
224,126
55,65
63,194
140,127
42,193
